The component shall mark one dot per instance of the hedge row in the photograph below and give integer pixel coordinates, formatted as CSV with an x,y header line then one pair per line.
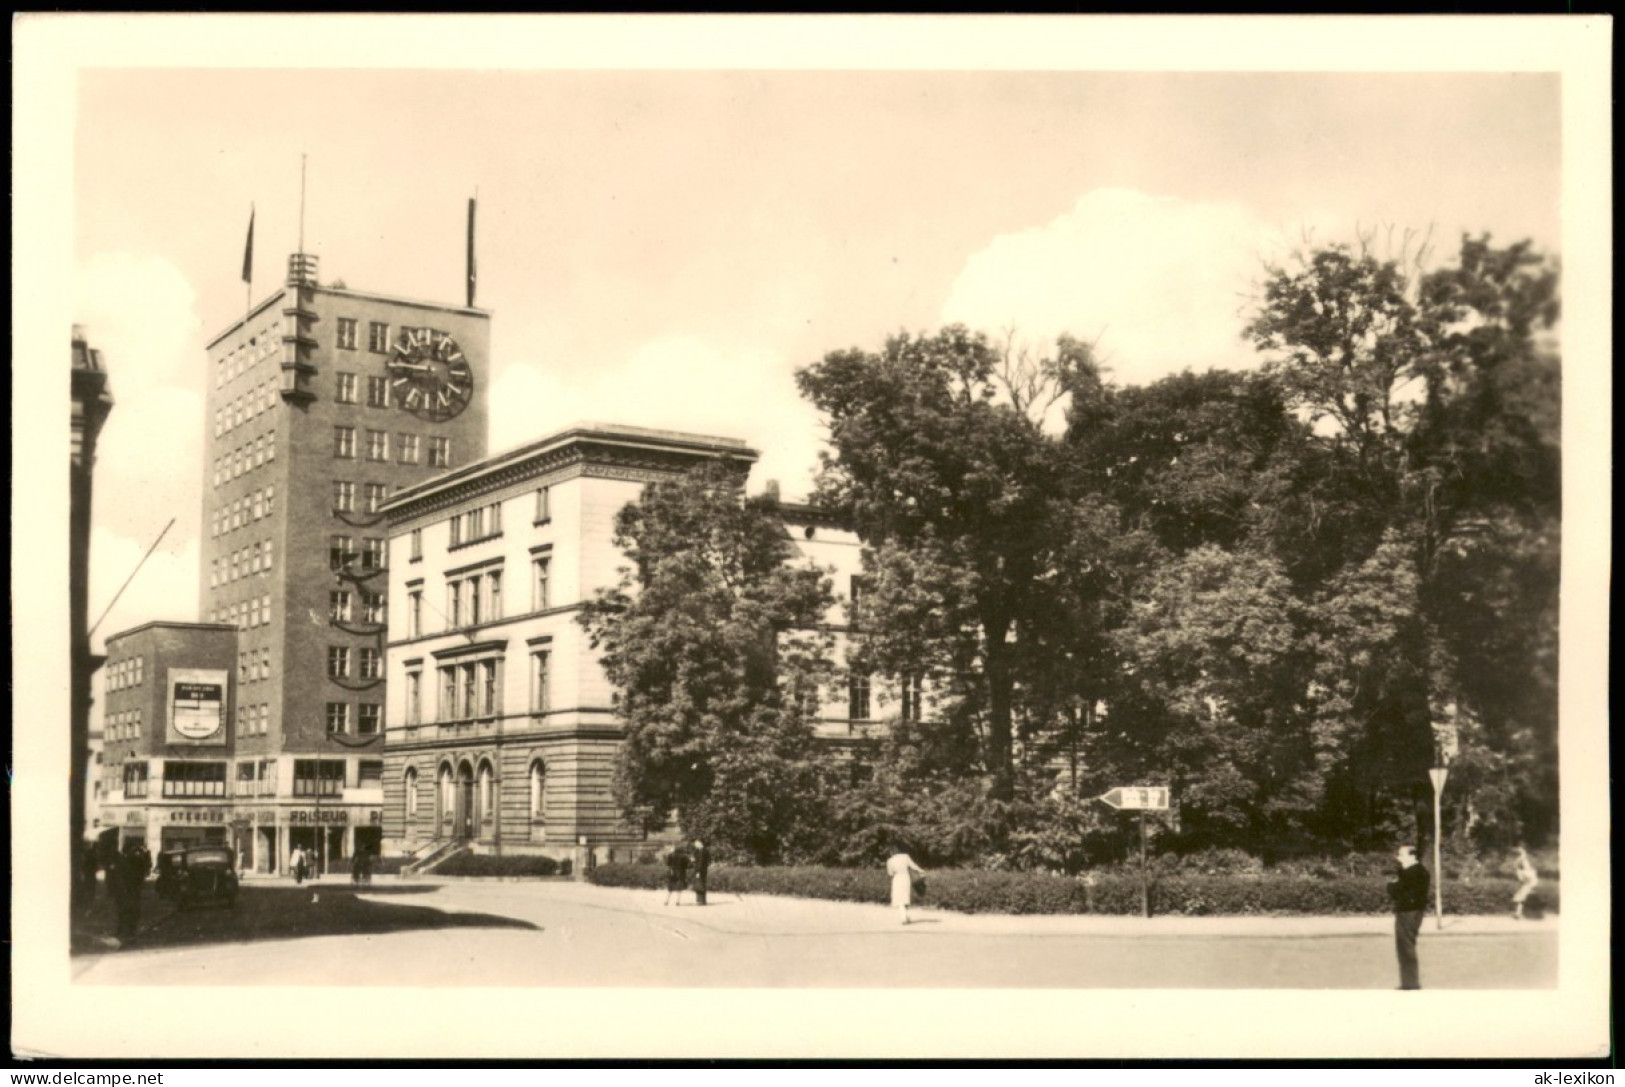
x,y
1117,892
485,864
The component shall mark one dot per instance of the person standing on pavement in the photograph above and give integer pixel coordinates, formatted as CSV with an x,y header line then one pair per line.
x,y
700,859
296,863
902,870
1409,892
124,888
1528,880
676,873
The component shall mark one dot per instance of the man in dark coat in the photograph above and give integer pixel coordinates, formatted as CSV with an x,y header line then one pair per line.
x,y
699,859
1409,892
123,887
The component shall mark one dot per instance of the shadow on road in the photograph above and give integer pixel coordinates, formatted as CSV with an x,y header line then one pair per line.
x,y
280,913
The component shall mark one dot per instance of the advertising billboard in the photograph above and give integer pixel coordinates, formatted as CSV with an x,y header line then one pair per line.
x,y
197,705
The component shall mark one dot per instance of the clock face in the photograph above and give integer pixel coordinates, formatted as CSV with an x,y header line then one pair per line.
x,y
428,375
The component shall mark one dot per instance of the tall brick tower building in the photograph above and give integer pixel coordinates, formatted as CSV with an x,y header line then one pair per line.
x,y
322,402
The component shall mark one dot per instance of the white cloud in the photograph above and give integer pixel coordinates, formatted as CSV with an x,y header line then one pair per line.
x,y
165,587
140,312
1161,282
673,383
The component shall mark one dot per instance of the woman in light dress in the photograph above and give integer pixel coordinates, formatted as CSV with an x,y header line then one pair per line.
x,y
1528,880
902,870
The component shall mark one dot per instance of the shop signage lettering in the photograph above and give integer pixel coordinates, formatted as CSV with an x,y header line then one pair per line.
x,y
198,815
376,817
325,815
134,818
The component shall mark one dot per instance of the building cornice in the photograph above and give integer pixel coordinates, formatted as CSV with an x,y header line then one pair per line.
x,y
589,449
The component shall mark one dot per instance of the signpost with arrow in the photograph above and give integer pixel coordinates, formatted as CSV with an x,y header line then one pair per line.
x,y
1141,799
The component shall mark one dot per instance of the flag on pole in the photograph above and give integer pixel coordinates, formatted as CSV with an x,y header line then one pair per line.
x,y
471,273
248,249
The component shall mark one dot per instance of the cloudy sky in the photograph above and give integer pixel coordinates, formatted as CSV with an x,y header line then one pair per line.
x,y
665,248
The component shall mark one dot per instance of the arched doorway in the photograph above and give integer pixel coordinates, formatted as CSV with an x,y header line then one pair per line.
x,y
445,802
467,818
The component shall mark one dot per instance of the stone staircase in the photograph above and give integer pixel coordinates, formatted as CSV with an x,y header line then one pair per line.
x,y
433,858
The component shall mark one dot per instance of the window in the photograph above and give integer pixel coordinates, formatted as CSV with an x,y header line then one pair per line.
x,y
370,772
135,779
378,445
414,613
377,337
234,555
470,690
265,608
259,451
454,603
473,522
265,552
270,445
340,552
540,591
493,596
344,442
369,714
494,519
415,538
338,606
372,553
488,687
346,333
265,663
377,392
439,452
347,388
242,667
259,505
338,717
189,779
475,601
372,607
318,776
487,793
343,496
913,698
538,791
411,784
541,691
448,694
270,501
414,697
857,703
454,531
369,663
406,448
543,505
245,779
338,667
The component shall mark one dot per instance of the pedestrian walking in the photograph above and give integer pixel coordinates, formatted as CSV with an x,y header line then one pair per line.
x,y
902,870
296,863
89,867
123,887
676,874
1409,892
1528,880
700,859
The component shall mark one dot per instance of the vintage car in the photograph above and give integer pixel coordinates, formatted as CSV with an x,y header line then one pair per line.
x,y
197,874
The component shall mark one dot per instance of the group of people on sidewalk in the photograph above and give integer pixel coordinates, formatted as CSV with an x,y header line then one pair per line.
x,y
125,875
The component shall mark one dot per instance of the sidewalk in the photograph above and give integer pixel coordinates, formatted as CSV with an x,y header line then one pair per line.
x,y
756,914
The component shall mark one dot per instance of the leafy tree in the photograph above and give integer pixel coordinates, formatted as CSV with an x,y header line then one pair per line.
x,y
1434,399
941,464
708,635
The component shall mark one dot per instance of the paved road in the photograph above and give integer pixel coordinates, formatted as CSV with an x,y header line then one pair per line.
x,y
590,936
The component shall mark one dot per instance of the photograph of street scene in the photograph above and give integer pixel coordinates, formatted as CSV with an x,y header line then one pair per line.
x,y
732,528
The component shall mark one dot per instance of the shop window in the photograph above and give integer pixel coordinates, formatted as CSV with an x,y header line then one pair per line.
x,y
193,779
370,773
135,779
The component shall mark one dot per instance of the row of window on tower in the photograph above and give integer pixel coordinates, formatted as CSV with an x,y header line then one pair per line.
x,y
364,718
244,614
254,719
344,496
245,458
253,559
245,408
408,447
247,355
244,511
254,665
354,662
347,335
348,389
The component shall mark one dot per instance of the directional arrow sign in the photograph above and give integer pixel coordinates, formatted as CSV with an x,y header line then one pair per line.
x,y
1133,797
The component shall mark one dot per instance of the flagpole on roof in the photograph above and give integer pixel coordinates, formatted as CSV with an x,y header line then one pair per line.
x,y
248,266
472,275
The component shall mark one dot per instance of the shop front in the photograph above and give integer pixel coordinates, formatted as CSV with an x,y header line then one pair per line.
x,y
194,826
